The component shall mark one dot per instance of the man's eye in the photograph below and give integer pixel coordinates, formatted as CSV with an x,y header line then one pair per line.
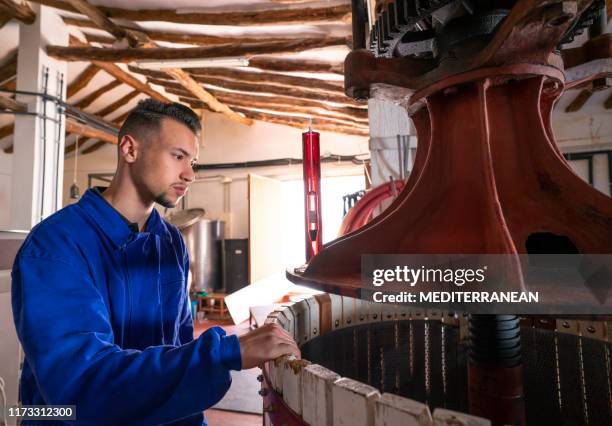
x,y
178,156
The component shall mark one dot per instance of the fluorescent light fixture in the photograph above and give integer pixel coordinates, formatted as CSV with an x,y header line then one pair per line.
x,y
235,61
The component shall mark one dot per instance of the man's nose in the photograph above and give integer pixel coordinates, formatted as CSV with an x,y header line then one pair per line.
x,y
188,174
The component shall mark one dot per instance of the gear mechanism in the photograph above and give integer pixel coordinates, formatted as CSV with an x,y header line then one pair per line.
x,y
426,28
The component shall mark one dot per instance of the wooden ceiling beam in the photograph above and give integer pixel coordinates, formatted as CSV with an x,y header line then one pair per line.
x,y
270,78
130,80
192,86
97,38
117,122
266,88
109,109
256,98
579,101
608,102
178,74
92,97
7,130
133,37
82,80
75,127
285,102
102,54
18,10
10,84
253,77
277,108
9,69
302,123
291,1
5,18
124,76
182,38
12,105
276,16
270,63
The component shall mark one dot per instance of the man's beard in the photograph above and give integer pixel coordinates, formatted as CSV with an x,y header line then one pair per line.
x,y
163,200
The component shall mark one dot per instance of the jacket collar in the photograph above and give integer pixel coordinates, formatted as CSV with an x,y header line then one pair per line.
x,y
114,225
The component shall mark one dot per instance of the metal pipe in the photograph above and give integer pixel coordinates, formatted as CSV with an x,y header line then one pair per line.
x,y
277,162
44,143
495,383
59,126
69,110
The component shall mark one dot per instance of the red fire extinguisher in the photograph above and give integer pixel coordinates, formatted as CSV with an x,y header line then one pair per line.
x,y
312,191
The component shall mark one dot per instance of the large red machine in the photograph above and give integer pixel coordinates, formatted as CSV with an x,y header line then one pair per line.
x,y
479,80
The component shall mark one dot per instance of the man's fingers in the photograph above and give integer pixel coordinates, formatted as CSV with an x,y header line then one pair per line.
x,y
267,343
288,349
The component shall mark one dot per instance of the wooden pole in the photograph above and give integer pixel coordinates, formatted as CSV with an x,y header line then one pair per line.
x,y
89,53
9,69
186,81
302,123
101,20
266,88
20,11
128,79
89,99
286,108
88,131
269,17
118,103
178,74
82,80
254,77
287,101
182,38
271,63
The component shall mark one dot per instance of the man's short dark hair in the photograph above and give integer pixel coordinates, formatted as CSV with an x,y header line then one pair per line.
x,y
146,118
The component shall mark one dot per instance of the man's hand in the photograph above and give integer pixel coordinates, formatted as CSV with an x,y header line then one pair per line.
x,y
265,344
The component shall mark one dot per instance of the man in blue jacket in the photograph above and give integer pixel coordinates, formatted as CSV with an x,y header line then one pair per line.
x,y
99,294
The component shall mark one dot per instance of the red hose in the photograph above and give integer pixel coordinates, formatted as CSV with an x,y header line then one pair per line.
x,y
361,213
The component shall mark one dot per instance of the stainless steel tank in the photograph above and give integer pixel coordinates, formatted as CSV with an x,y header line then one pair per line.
x,y
202,237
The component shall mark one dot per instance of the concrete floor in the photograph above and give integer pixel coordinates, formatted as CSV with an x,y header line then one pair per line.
x,y
223,417
231,418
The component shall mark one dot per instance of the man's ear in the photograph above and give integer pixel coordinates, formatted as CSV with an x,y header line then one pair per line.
x,y
128,148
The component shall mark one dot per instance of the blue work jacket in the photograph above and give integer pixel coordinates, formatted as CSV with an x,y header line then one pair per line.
x,y
104,318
